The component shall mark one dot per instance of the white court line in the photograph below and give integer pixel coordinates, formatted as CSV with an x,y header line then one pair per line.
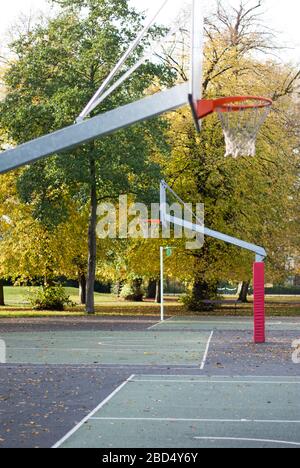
x,y
101,350
234,439
207,322
218,322
206,351
267,382
260,421
155,325
89,416
160,322
229,377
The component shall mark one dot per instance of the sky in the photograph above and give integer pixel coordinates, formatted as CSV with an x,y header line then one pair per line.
x,y
282,16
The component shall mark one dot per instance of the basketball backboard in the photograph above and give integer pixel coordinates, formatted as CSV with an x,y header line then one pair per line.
x,y
197,58
114,120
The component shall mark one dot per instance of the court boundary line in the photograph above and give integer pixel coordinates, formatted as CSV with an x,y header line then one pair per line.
x,y
161,322
207,322
229,318
205,356
236,439
220,381
91,414
244,421
215,376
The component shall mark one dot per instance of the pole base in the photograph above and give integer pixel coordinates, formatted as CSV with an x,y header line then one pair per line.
x,y
259,303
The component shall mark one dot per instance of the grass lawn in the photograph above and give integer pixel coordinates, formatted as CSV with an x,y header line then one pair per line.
x,y
16,296
17,306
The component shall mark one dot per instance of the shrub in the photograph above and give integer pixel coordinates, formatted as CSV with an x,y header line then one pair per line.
x,y
132,292
196,305
202,297
117,288
49,298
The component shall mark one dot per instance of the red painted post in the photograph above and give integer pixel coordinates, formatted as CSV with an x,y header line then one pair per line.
x,y
259,302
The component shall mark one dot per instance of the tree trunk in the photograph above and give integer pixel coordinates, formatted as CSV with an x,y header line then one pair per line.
x,y
151,292
137,293
82,288
203,290
2,303
49,282
158,292
92,239
138,290
203,295
118,288
244,292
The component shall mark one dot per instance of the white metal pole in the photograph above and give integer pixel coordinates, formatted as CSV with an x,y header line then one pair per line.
x,y
197,52
162,312
163,203
197,49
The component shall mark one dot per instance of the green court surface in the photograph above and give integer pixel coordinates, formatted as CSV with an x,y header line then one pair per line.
x,y
194,412
206,323
96,347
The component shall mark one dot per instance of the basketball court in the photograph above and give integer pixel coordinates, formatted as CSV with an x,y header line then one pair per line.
x,y
189,382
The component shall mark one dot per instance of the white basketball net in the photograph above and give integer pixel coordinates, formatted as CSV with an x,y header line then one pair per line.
x,y
241,128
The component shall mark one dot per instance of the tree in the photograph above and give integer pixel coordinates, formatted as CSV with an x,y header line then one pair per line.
x,y
57,69
198,171
253,199
132,260
3,145
31,252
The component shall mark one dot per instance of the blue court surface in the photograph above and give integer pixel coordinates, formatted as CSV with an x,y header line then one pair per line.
x,y
194,412
189,382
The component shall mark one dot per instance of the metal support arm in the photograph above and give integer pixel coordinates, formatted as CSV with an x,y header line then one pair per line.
x,y
99,126
260,252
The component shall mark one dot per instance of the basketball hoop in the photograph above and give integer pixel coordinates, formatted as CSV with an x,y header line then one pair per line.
x,y
151,222
150,227
241,118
